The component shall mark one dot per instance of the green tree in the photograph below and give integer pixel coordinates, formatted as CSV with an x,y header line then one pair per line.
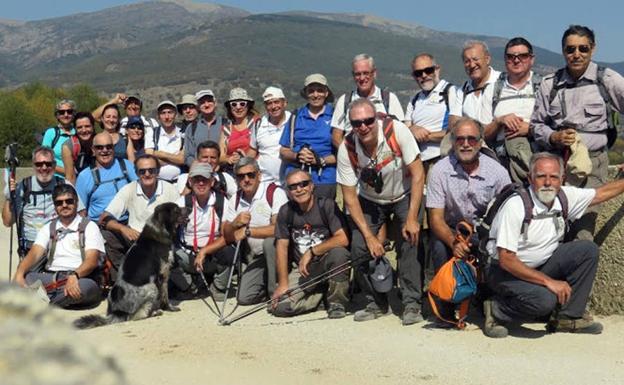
x,y
18,124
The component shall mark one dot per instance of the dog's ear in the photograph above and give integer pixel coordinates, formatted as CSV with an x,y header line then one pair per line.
x,y
158,227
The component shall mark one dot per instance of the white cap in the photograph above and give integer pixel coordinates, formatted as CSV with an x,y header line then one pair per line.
x,y
272,93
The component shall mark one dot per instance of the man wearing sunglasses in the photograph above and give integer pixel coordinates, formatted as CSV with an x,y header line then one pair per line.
x,y
434,109
69,265
136,200
33,208
377,185
166,143
507,107
476,58
364,75
207,126
250,219
577,103
54,137
310,234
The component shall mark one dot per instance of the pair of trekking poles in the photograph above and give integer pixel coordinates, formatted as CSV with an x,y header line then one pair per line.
x,y
11,160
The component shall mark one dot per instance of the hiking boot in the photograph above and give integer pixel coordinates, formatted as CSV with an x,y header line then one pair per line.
x,y
336,310
371,312
579,325
412,314
219,295
491,327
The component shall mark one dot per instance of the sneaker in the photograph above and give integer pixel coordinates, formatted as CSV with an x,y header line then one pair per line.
x,y
412,315
491,327
371,312
579,325
336,310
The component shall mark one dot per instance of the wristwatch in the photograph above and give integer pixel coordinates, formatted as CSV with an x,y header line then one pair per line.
x,y
247,232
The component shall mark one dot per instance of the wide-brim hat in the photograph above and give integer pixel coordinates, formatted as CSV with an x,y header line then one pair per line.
x,y
238,94
316,79
187,99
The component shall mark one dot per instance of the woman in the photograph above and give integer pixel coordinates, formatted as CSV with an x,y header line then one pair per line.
x,y
135,131
109,122
235,136
307,142
77,151
54,137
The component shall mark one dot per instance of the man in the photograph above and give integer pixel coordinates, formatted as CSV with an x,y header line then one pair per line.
x,y
250,219
364,75
187,108
434,109
534,273
98,185
206,127
167,143
202,247
476,57
573,103
266,135
310,233
33,208
507,108
74,245
54,137
460,187
133,106
209,152
380,173
137,201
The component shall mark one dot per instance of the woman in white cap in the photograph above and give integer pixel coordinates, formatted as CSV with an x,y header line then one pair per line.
x,y
236,135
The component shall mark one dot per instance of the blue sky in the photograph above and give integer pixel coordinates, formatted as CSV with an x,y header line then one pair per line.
x,y
541,22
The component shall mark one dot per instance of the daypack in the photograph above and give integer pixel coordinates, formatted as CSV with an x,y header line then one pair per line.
x,y
613,115
82,159
498,89
97,182
269,195
444,94
388,130
485,224
220,197
57,136
456,281
385,99
156,132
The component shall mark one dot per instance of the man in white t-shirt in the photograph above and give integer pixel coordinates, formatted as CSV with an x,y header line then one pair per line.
x,y
73,254
265,136
364,75
381,175
476,58
166,143
250,219
535,274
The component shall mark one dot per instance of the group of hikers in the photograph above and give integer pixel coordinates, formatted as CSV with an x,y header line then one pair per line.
x,y
261,189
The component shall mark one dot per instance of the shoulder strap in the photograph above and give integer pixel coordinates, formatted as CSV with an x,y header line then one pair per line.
x,y
124,169
75,147
270,192
239,193
445,94
26,190
82,227
563,199
555,85
536,79
414,98
188,200
57,137
220,197
156,133
349,142
95,175
347,101
291,125
388,129
52,243
612,114
193,127
498,88
385,99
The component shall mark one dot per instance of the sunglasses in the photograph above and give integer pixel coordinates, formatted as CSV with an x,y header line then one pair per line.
x,y
61,202
302,184
151,170
426,71
520,56
362,74
200,179
65,112
250,175
472,140
355,123
100,147
240,103
41,164
583,48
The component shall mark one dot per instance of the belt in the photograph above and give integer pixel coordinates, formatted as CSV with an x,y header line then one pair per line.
x,y
597,152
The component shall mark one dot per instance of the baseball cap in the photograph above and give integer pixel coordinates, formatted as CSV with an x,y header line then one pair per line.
x,y
203,93
166,103
317,79
200,169
272,93
135,121
380,273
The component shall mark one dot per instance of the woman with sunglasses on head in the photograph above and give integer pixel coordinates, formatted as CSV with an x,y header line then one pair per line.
x,y
236,135
135,134
54,137
306,142
77,153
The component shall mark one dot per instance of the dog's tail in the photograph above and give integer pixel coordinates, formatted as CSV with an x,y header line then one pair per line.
x,y
92,321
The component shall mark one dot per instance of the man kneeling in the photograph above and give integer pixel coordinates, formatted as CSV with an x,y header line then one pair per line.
x,y
310,233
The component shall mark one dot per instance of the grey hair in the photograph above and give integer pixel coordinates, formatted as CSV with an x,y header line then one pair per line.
x,y
43,150
545,155
359,103
427,55
466,120
471,43
71,103
246,161
364,56
296,171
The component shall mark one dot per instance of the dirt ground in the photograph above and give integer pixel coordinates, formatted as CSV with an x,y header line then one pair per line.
x,y
189,347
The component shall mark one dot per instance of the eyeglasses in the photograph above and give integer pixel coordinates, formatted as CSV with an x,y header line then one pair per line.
x,y
65,112
61,202
520,56
472,140
250,175
206,99
355,123
302,184
41,164
583,48
362,74
240,103
427,71
100,147
151,170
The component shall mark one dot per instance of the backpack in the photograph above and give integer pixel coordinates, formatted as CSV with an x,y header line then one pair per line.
x,y
385,99
498,89
54,237
156,132
388,130
97,181
220,197
485,223
444,93
269,195
81,158
613,116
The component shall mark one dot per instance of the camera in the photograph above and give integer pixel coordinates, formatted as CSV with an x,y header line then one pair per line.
x,y
373,178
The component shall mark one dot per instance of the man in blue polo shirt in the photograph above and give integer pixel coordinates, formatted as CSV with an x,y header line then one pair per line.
x,y
306,141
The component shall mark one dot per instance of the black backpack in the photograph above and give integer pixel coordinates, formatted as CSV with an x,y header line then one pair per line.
x,y
498,89
444,94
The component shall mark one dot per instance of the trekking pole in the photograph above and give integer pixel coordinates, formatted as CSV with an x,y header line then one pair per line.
x,y
214,301
292,291
10,157
230,276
